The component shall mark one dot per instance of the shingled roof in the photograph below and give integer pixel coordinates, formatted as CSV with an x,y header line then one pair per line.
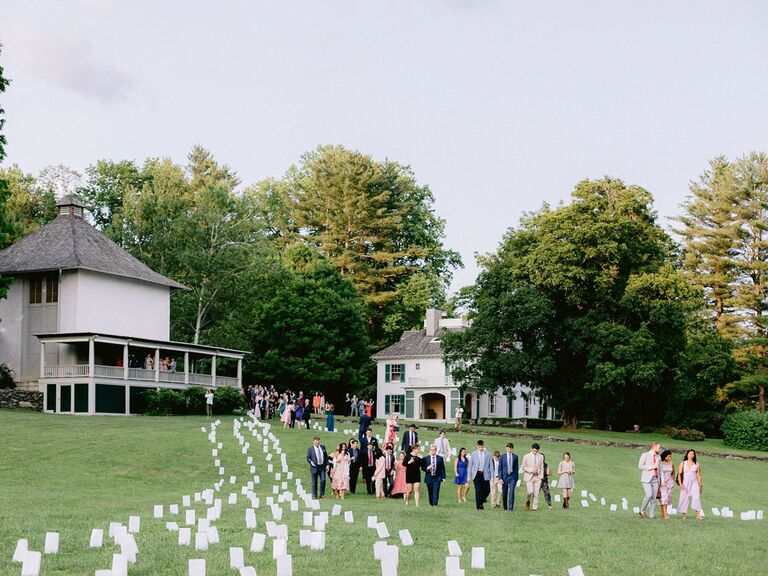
x,y
413,343
69,242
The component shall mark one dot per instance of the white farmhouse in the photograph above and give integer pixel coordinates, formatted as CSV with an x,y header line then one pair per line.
x,y
84,320
413,380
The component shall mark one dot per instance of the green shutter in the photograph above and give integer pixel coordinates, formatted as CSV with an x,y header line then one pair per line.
x,y
386,373
386,404
402,373
402,401
409,404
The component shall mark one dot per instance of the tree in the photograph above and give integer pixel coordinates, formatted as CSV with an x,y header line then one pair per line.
x,y
310,334
4,82
582,304
369,219
104,191
725,233
4,228
26,205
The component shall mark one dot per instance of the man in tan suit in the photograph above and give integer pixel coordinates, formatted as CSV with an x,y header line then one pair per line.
x,y
649,479
533,472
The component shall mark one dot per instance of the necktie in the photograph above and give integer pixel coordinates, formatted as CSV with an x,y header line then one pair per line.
x,y
389,464
318,456
509,464
433,465
370,456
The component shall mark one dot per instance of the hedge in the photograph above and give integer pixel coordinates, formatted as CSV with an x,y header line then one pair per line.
x,y
746,429
192,401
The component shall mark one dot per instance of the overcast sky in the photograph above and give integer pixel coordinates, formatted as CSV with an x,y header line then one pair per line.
x,y
498,105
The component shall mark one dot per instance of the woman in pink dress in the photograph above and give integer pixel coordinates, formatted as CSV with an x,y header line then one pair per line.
x,y
286,417
399,487
390,435
689,479
340,482
666,482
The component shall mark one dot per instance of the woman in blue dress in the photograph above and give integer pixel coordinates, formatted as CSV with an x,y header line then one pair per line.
x,y
461,475
329,423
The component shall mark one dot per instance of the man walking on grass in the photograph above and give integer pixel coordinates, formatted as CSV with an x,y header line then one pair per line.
x,y
533,472
649,479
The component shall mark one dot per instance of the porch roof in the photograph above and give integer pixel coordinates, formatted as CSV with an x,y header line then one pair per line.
x,y
141,342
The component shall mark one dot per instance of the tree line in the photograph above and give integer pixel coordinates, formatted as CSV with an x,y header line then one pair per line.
x,y
608,318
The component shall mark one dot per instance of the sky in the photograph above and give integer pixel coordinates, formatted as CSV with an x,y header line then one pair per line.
x,y
498,106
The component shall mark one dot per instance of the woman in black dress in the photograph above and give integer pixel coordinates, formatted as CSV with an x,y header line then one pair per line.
x,y
412,465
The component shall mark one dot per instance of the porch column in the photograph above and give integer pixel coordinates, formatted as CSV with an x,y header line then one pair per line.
x,y
42,359
125,361
240,372
91,357
213,370
127,399
157,364
186,368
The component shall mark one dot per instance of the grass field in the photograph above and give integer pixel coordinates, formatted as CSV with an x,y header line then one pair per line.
x,y
72,474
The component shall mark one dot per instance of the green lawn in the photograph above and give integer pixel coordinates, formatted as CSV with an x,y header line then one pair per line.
x,y
72,474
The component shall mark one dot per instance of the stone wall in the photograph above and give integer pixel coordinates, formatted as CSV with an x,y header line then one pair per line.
x,y
13,398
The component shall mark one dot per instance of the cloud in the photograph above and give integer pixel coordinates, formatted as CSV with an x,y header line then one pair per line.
x,y
68,60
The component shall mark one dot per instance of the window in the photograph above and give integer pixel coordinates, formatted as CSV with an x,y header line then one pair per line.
x,y
492,404
36,291
527,407
418,366
51,289
394,403
44,288
394,373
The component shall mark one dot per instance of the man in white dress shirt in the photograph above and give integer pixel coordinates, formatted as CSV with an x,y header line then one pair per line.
x,y
649,479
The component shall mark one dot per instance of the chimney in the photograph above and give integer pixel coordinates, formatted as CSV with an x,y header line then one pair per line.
x,y
432,321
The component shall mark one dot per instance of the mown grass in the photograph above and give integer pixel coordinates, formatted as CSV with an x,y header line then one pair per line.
x,y
72,474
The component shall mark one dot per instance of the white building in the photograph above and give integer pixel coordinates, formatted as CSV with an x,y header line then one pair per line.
x,y
82,315
413,380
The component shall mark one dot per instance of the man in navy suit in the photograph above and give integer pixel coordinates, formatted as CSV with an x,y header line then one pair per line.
x,y
508,472
318,463
480,473
410,438
434,467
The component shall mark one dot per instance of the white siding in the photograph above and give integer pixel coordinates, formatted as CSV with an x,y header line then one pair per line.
x,y
11,320
106,304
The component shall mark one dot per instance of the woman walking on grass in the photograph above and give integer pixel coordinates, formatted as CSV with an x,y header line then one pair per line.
x,y
412,474
461,475
666,482
566,469
689,479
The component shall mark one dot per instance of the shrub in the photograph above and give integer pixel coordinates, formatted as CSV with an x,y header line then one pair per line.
x,y
689,434
192,401
542,423
746,429
227,400
6,377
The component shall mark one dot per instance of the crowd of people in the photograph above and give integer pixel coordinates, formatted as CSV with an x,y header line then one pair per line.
x,y
389,473
659,477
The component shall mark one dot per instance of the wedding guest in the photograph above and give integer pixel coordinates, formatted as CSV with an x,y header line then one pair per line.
x,y
533,472
458,416
689,479
329,419
443,447
399,488
480,474
545,482
208,403
565,470
434,476
412,465
509,475
496,481
317,457
461,475
354,464
649,479
389,435
410,439
378,477
307,414
666,482
389,468
340,481
287,417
